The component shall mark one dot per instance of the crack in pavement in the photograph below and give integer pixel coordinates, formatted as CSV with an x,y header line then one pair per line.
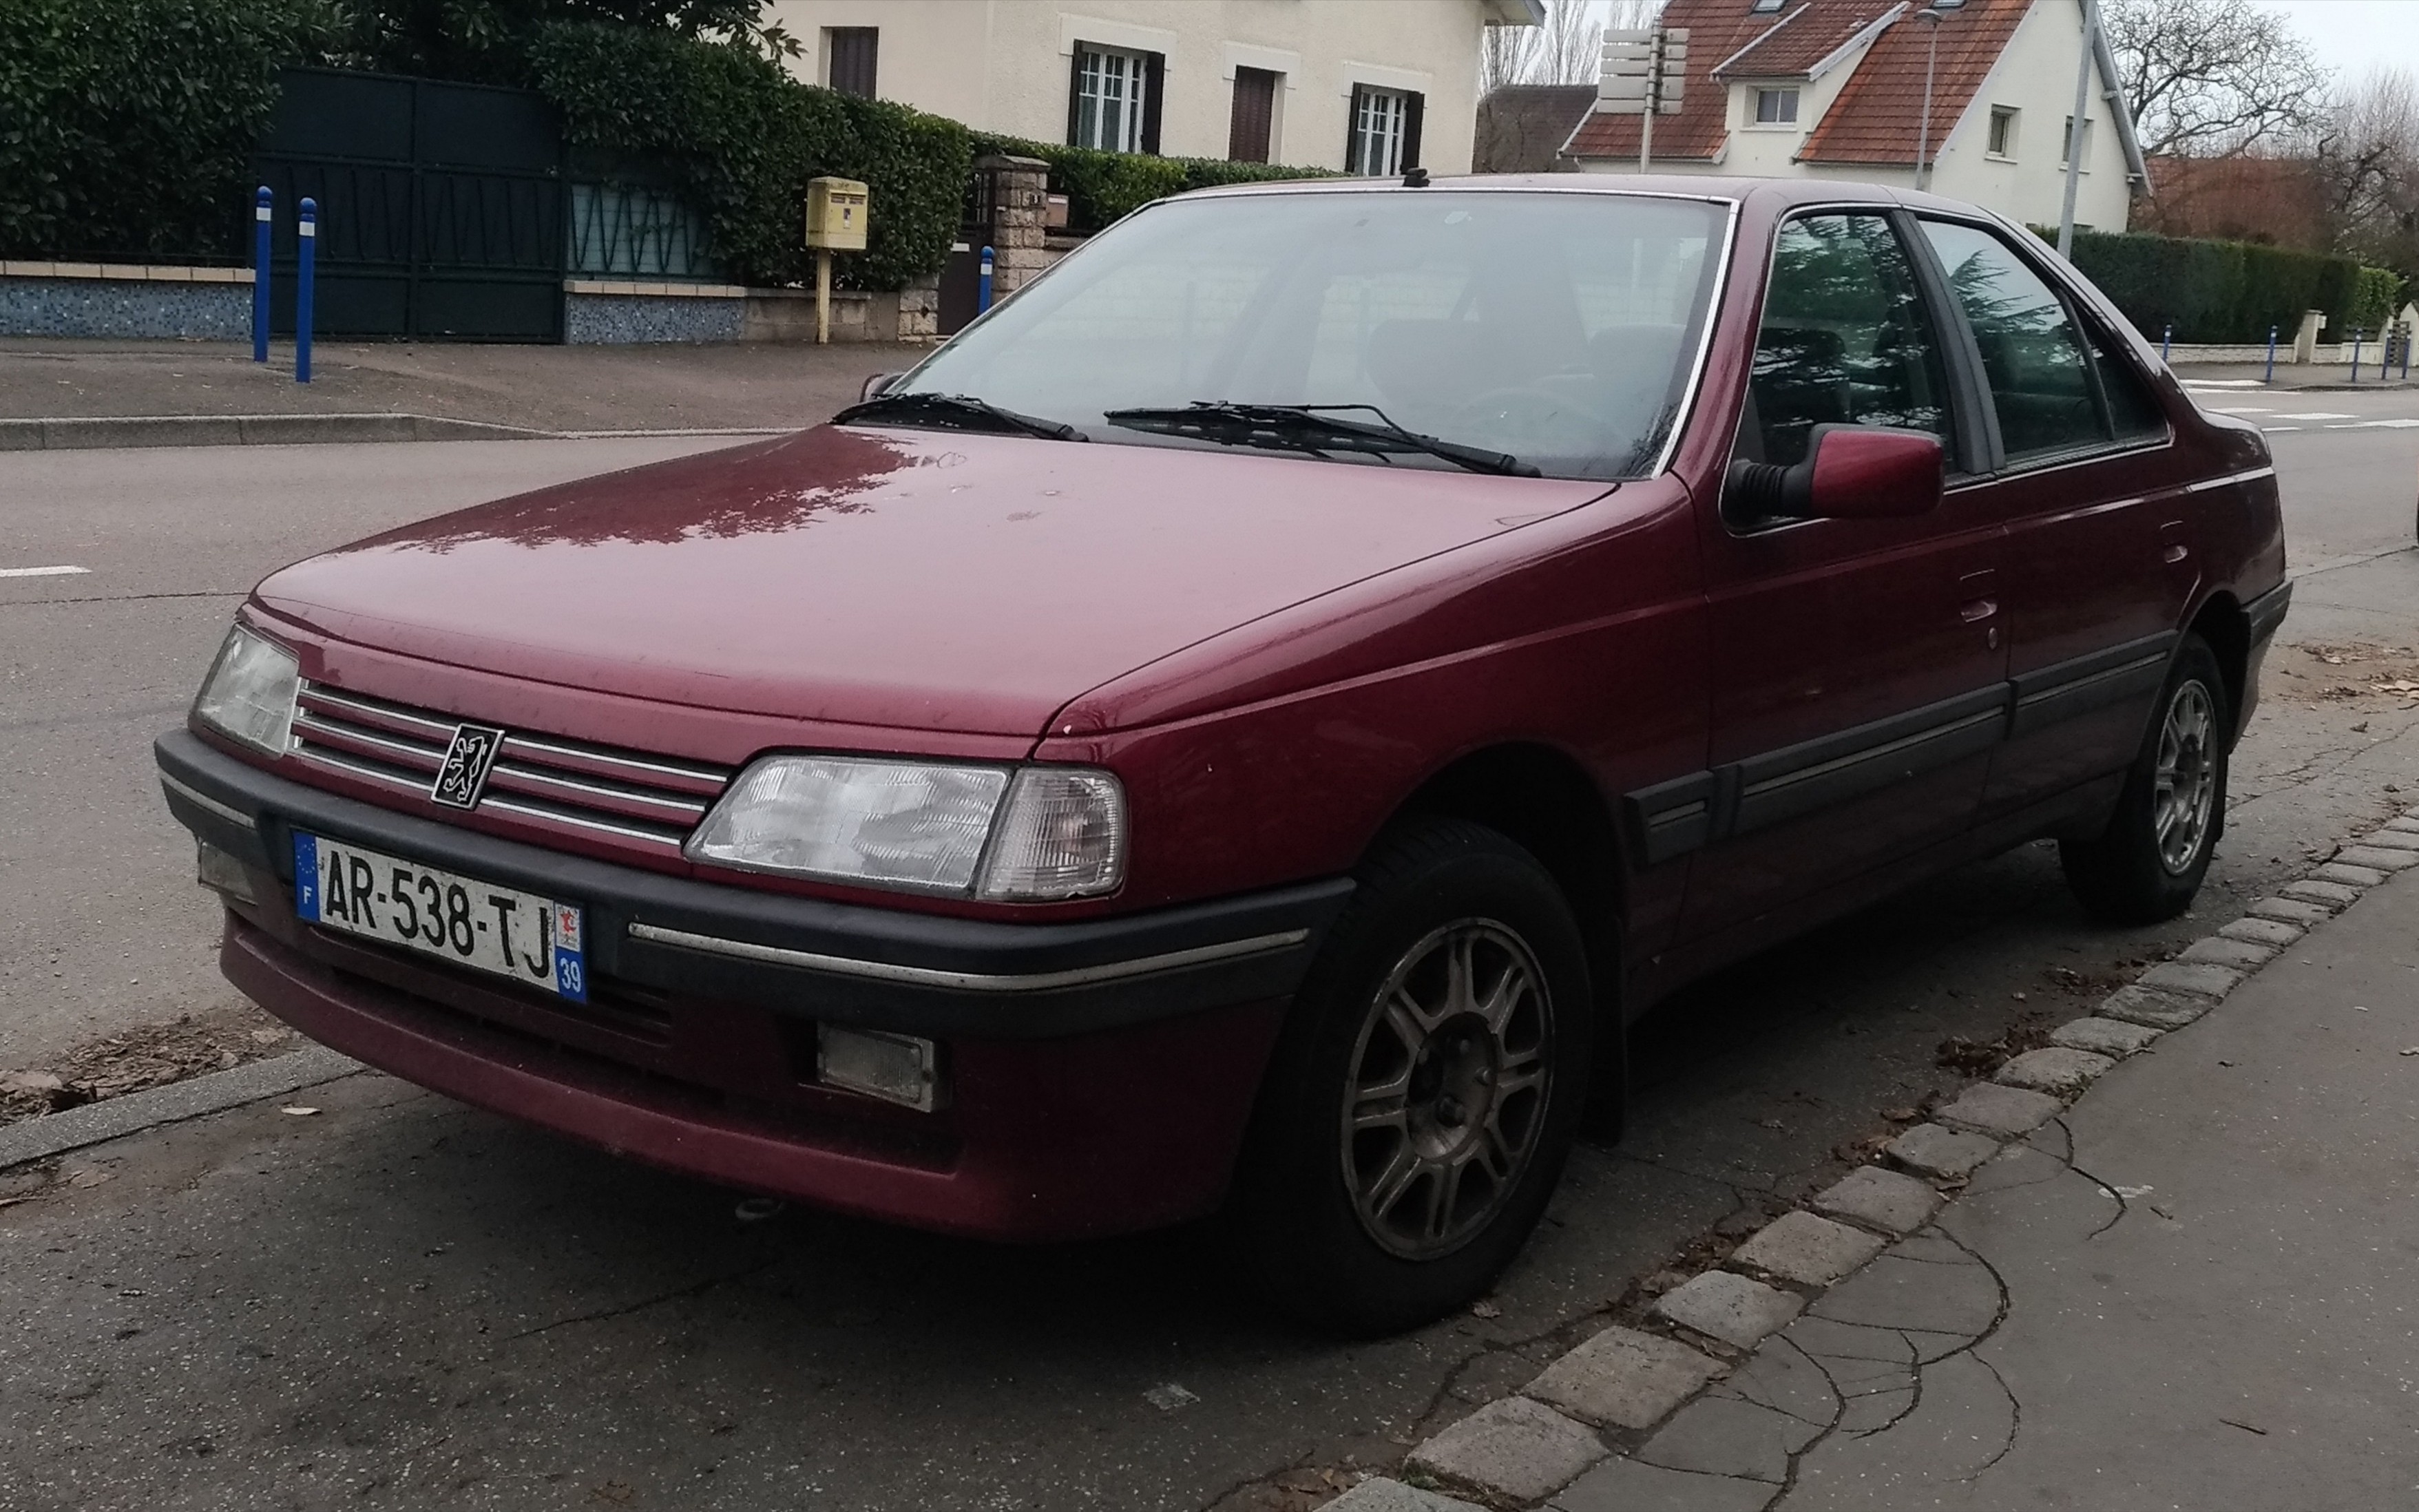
x,y
694,1288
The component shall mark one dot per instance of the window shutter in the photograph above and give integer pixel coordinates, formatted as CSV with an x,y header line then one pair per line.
x,y
1154,72
1353,130
1074,95
1249,124
1412,104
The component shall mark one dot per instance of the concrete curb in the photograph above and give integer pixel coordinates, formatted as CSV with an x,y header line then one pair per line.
x,y
55,1134
1502,1454
86,433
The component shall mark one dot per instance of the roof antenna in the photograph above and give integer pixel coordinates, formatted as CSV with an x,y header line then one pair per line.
x,y
1416,179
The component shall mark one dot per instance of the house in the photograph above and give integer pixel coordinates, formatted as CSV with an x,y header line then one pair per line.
x,y
1835,88
1354,84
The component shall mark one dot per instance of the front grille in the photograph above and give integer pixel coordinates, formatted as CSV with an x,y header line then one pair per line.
x,y
566,785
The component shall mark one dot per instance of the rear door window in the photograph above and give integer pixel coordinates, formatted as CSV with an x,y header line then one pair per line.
x,y
1844,341
2033,356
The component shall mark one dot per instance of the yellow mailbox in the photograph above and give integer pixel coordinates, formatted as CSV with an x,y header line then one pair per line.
x,y
836,214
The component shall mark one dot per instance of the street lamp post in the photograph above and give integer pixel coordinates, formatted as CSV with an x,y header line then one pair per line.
x,y
1923,127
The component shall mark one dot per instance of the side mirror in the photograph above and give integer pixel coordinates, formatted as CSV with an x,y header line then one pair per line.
x,y
876,384
1850,472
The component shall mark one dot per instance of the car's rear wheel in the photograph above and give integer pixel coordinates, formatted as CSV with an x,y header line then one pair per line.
x,y
2148,864
1423,1099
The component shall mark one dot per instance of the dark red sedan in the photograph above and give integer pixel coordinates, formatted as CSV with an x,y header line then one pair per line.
x,y
1245,725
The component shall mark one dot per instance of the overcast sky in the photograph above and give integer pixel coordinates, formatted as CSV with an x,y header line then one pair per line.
x,y
2355,36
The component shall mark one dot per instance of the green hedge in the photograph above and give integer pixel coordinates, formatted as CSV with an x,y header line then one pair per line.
x,y
746,137
2229,291
126,124
1102,187
2375,299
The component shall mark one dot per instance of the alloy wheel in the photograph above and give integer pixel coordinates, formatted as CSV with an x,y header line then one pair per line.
x,y
1450,1079
2184,792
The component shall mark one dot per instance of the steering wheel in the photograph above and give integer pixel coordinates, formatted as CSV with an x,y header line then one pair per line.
x,y
1524,412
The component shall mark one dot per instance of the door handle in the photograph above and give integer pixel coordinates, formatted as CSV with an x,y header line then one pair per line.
x,y
2173,554
1978,592
2172,548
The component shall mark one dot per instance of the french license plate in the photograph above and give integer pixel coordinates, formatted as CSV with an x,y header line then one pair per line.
x,y
472,923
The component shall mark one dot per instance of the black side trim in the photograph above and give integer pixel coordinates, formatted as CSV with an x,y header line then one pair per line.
x,y
2077,686
1797,779
2267,611
1672,817
616,896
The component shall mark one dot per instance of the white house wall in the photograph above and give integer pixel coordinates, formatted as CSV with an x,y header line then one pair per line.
x,y
2036,75
1004,65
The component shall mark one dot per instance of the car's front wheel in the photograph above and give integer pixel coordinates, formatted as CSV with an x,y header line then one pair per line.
x,y
2149,862
1417,1115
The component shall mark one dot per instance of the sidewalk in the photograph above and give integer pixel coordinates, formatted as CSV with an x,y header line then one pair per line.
x,y
2319,377
753,385
2189,1290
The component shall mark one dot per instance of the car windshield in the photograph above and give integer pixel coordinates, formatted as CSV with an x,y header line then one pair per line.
x,y
1557,329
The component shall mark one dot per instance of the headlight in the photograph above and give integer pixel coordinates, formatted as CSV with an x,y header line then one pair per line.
x,y
248,695
922,828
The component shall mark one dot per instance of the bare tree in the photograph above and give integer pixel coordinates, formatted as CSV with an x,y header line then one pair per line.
x,y
2366,150
2207,78
1567,49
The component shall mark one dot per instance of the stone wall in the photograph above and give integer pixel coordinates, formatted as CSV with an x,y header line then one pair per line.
x,y
1019,198
125,301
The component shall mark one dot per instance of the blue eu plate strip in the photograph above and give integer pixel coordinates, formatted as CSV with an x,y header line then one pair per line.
x,y
306,876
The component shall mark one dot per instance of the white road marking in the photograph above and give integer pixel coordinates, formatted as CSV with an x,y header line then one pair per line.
x,y
42,572
2224,383
2320,414
2238,410
2271,430
2377,424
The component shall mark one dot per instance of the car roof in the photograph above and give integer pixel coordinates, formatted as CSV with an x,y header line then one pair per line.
x,y
1774,195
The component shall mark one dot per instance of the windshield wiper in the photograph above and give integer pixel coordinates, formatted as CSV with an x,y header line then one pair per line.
x,y
1308,427
955,411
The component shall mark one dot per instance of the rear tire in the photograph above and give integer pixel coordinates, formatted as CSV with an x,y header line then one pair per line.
x,y
1425,1092
2148,864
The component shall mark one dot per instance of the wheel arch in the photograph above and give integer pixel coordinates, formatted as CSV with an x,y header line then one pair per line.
x,y
2221,623
1544,800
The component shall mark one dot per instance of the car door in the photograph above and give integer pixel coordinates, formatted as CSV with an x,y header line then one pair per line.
x,y
1858,679
2099,563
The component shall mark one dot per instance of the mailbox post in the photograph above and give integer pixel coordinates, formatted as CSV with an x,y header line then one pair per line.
x,y
836,216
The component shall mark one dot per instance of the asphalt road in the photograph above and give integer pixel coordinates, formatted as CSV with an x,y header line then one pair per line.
x,y
398,1300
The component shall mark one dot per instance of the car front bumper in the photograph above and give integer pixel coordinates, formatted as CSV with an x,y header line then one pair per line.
x,y
1098,1074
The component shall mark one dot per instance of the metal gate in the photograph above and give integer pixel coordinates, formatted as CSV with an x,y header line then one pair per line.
x,y
441,206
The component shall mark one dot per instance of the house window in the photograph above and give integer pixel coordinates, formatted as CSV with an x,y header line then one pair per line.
x,y
1249,126
848,59
2003,132
1776,107
2066,145
1758,7
1385,132
1113,104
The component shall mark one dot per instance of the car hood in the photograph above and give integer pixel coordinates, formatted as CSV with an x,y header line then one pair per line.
x,y
904,579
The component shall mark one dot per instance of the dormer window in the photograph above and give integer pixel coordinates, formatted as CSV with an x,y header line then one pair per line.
x,y
1760,6
1776,107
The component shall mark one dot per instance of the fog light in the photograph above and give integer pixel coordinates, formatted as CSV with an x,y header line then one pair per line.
x,y
896,1068
215,868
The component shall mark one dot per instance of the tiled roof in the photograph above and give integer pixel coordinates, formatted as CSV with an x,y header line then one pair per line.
x,y
1874,118
1521,126
1717,29
1811,33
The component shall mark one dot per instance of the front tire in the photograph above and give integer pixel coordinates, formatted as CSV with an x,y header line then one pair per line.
x,y
1427,1088
2148,864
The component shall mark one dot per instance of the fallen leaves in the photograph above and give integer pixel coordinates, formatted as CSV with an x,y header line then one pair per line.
x,y
151,1055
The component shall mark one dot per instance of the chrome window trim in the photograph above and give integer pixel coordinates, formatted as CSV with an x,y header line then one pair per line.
x,y
978,982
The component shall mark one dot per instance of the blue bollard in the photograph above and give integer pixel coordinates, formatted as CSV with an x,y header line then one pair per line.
x,y
982,284
2272,355
262,205
2167,340
306,249
2356,334
2407,334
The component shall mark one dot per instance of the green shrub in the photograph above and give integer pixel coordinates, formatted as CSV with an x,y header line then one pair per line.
x,y
745,137
126,124
2227,291
1102,187
2377,294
